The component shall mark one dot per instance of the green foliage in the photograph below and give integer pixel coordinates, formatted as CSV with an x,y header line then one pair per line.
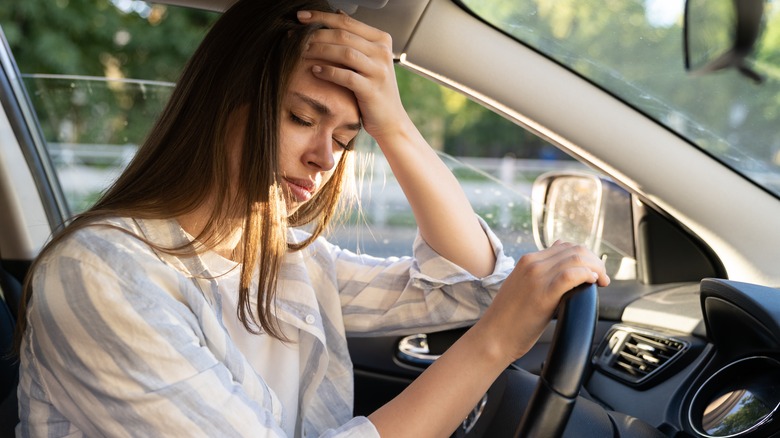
x,y
96,38
620,46
461,127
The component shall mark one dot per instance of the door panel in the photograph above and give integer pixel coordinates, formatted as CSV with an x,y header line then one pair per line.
x,y
381,373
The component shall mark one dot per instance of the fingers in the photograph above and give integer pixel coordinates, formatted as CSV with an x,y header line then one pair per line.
x,y
563,266
533,291
345,38
359,57
339,46
580,256
349,43
342,21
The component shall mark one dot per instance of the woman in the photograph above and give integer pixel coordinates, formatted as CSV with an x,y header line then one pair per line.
x,y
185,303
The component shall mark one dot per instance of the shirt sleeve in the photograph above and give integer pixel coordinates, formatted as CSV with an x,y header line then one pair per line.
x,y
389,296
117,347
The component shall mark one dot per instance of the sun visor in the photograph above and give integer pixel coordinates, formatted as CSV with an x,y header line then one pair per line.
x,y
350,6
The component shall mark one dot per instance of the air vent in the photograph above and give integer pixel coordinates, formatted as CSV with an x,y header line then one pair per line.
x,y
635,355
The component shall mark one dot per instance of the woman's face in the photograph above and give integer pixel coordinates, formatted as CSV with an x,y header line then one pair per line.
x,y
319,119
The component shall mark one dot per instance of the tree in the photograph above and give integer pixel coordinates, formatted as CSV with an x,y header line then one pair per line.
x,y
97,38
132,39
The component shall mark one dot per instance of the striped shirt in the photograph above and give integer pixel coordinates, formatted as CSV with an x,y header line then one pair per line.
x,y
127,341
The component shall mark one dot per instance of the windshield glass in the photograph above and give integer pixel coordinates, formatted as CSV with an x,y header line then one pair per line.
x,y
634,49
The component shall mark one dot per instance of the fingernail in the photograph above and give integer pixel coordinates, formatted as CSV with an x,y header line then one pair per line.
x,y
316,69
304,15
595,275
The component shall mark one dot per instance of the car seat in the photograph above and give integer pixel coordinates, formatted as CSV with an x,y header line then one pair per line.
x,y
9,365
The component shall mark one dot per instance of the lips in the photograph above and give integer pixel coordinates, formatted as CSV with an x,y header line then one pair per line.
x,y
301,189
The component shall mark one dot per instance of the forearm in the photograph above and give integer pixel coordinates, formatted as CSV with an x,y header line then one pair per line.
x,y
443,213
438,401
440,398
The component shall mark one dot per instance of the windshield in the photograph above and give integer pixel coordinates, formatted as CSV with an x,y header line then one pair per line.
x,y
634,50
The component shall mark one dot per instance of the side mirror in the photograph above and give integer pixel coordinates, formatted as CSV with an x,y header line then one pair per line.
x,y
720,34
588,210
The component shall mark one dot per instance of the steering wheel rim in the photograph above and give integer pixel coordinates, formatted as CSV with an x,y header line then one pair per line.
x,y
552,402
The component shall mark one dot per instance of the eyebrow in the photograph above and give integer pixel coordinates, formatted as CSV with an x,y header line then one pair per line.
x,y
323,109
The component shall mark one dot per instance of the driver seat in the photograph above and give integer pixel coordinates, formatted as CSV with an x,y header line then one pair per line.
x,y
10,292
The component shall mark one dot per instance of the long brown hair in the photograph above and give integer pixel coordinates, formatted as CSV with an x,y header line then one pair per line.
x,y
244,62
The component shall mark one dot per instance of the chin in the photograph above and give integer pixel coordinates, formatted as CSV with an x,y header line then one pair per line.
x,y
292,207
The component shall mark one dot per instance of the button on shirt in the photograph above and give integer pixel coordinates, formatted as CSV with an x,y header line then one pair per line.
x,y
281,371
126,340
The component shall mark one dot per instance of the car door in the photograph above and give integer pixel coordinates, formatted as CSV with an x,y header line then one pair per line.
x,y
29,210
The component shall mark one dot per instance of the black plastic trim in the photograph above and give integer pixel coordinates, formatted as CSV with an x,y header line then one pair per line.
x,y
668,253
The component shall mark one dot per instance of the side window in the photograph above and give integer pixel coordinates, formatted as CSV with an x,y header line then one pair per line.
x,y
92,127
495,161
97,75
98,86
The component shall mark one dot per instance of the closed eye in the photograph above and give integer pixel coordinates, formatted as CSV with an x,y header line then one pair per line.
x,y
346,146
300,121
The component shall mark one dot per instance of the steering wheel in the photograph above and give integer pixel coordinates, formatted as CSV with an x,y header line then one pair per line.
x,y
556,392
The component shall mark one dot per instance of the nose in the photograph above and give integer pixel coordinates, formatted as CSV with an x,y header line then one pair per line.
x,y
320,155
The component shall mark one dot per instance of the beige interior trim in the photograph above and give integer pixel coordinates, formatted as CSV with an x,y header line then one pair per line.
x,y
707,198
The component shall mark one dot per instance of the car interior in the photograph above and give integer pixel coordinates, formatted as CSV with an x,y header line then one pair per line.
x,y
678,192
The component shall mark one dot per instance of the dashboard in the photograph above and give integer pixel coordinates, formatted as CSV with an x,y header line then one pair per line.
x,y
695,360
685,360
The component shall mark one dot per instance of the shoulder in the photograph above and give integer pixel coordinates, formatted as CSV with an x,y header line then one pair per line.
x,y
107,262
104,241
111,251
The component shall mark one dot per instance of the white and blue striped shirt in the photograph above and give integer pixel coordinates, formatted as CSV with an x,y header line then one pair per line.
x,y
126,341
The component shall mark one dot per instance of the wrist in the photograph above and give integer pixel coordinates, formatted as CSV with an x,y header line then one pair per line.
x,y
401,133
492,343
